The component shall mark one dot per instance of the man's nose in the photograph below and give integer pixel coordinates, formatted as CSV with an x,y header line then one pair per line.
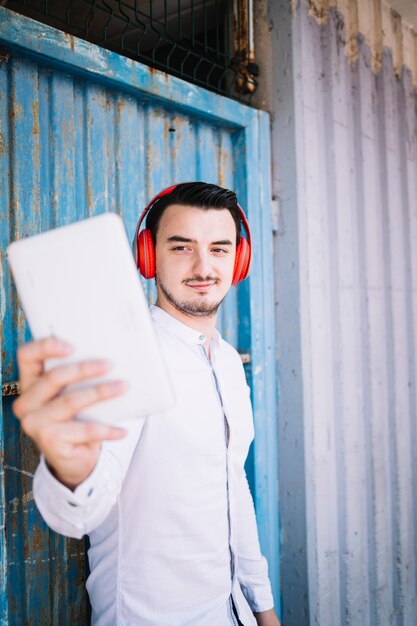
x,y
202,265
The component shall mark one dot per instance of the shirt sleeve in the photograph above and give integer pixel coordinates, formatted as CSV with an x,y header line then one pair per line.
x,y
252,567
76,513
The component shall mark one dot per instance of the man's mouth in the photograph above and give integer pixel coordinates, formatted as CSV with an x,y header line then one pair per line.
x,y
202,287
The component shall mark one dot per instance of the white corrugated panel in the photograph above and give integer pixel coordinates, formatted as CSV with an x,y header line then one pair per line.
x,y
345,172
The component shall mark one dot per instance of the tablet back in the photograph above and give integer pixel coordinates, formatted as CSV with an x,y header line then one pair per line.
x,y
79,283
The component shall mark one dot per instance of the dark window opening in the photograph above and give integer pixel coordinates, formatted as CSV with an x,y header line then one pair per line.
x,y
202,41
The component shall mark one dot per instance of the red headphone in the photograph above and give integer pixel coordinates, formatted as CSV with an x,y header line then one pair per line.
x,y
144,250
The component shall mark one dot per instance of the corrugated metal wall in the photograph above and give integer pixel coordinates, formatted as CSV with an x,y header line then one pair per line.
x,y
345,174
83,131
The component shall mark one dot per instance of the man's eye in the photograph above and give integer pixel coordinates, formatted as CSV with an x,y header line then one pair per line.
x,y
220,250
180,248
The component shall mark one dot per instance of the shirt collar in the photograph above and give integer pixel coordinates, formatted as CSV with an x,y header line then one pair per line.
x,y
184,332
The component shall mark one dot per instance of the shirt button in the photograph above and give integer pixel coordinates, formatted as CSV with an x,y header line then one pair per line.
x,y
201,337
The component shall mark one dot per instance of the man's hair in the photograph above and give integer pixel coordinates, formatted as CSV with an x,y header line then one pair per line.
x,y
202,195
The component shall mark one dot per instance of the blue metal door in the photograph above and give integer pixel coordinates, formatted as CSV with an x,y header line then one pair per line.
x,y
82,131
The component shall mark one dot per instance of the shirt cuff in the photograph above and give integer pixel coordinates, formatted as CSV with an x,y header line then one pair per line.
x,y
260,606
71,512
255,584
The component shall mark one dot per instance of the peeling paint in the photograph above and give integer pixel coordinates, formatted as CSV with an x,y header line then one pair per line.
x,y
70,39
2,290
351,30
120,106
319,9
35,113
223,158
89,194
377,23
398,42
16,502
17,111
27,497
20,471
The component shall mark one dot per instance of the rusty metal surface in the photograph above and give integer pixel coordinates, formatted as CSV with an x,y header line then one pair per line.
x,y
10,389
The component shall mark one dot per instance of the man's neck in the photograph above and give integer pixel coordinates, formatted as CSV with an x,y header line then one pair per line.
x,y
205,325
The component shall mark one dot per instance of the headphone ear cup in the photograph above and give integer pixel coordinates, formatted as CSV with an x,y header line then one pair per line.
x,y
242,261
146,254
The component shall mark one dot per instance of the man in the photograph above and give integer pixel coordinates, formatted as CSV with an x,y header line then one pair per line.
x,y
165,502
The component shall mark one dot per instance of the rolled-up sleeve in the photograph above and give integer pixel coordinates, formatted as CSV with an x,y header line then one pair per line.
x,y
76,513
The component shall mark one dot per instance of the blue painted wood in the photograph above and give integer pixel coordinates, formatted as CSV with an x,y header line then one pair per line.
x,y
262,339
206,154
25,218
80,145
182,139
158,173
94,132
131,189
5,316
97,153
244,293
62,142
229,317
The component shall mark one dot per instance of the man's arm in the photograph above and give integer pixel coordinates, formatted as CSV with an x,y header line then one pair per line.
x,y
79,477
252,566
77,512
267,618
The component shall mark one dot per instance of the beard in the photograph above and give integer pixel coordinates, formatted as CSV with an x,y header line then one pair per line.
x,y
198,307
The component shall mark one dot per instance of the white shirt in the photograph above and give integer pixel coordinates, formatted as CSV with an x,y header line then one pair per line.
x,y
168,509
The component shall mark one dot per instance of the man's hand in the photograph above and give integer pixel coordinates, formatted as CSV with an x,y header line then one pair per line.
x,y
71,448
267,618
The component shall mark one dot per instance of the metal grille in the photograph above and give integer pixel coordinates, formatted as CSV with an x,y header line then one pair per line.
x,y
206,42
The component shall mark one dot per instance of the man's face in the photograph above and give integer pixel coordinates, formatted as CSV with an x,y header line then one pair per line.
x,y
195,255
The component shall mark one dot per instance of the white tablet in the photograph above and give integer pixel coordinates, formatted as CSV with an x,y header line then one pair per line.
x,y
80,284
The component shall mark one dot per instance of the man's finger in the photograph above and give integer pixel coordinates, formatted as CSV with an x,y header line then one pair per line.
x,y
49,385
77,433
68,405
31,357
